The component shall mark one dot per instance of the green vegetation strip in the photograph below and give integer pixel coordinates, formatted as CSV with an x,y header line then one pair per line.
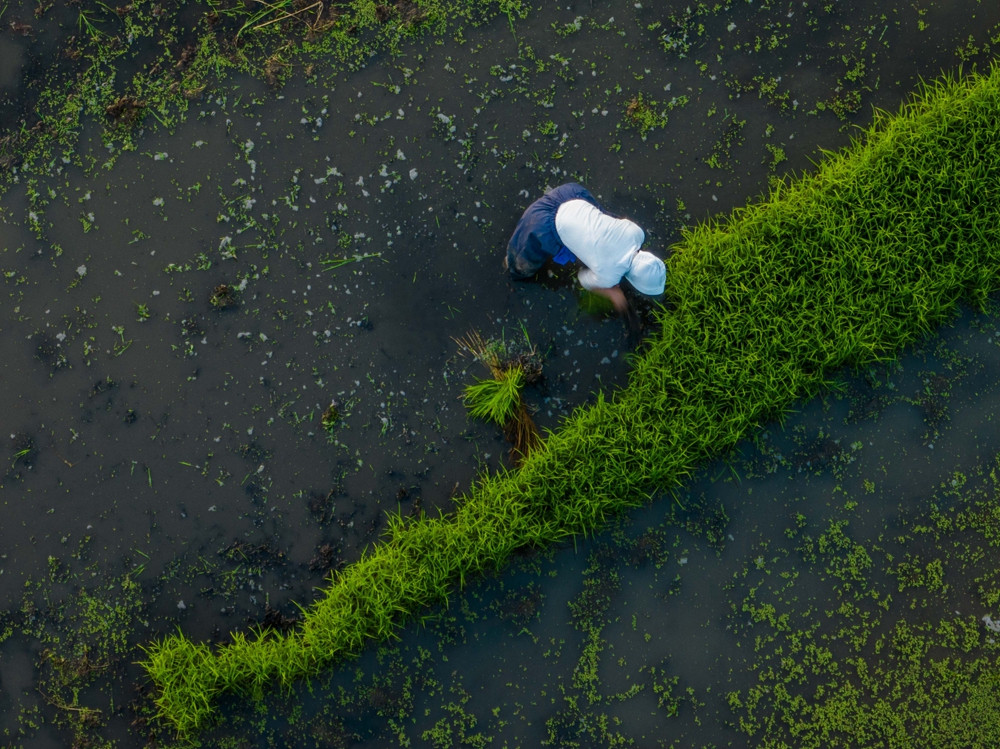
x,y
844,266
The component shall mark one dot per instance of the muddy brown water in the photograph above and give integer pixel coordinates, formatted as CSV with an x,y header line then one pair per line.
x,y
187,447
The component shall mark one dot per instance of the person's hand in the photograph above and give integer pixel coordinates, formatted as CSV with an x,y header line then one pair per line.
x,y
617,298
621,304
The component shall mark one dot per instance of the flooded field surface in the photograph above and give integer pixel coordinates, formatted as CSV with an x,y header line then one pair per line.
x,y
229,351
832,583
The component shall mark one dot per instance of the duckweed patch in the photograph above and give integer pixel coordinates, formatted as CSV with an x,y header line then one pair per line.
x,y
860,668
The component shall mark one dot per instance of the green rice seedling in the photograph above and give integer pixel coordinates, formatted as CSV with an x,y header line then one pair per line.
x,y
843,267
338,262
492,353
641,114
497,399
331,415
595,304
87,26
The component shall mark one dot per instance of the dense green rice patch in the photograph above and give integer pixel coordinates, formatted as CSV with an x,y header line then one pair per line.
x,y
841,267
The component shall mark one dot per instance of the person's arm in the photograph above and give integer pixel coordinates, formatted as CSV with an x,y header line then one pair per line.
x,y
615,295
591,281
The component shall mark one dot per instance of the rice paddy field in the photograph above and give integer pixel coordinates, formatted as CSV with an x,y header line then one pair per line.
x,y
263,371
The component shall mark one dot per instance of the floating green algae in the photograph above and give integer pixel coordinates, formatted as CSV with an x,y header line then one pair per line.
x,y
888,660
112,86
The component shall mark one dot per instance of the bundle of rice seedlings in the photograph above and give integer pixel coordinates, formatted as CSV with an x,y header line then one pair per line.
x,y
522,434
595,304
499,399
492,353
496,399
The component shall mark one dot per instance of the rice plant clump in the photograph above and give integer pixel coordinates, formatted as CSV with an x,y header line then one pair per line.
x,y
330,417
595,304
642,115
224,296
496,399
499,399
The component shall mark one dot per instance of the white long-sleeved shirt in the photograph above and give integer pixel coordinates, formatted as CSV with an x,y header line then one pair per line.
x,y
605,245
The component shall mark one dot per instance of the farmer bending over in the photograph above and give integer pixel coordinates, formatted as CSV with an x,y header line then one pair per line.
x,y
567,224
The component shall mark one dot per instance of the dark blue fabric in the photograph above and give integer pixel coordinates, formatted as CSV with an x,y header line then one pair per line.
x,y
535,239
564,256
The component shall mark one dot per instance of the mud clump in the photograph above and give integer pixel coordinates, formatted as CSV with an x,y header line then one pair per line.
x,y
634,108
224,297
253,452
934,411
275,621
81,667
191,328
102,386
8,160
186,58
373,526
333,734
330,416
126,110
531,364
273,70
409,12
648,547
321,506
385,701
324,21
819,455
327,558
416,507
264,555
